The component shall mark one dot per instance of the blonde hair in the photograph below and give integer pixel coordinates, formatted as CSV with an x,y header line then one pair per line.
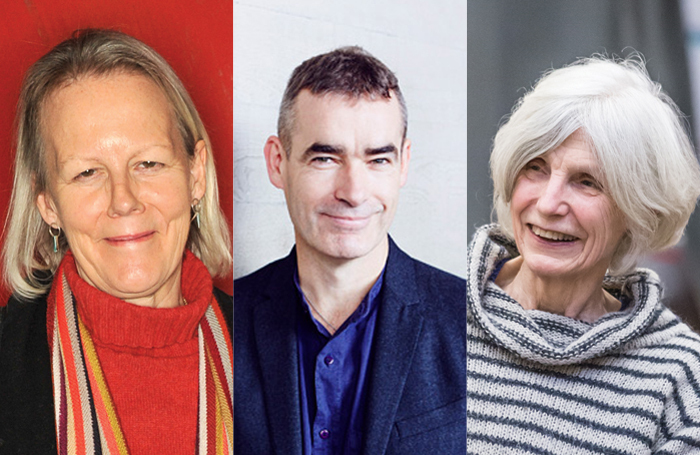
x,y
637,133
28,255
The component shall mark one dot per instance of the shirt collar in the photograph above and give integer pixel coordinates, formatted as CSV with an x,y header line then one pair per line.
x,y
369,302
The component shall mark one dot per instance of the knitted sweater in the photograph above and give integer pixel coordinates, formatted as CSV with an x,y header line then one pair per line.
x,y
541,383
149,357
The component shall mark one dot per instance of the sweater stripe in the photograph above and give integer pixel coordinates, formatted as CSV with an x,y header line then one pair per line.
x,y
497,444
578,382
601,405
544,431
560,416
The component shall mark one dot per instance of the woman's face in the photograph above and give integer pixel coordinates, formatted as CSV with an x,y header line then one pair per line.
x,y
120,185
565,225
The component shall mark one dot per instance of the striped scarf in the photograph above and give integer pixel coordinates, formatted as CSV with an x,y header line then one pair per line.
x,y
86,420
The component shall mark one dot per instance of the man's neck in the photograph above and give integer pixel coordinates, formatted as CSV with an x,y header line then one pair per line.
x,y
335,287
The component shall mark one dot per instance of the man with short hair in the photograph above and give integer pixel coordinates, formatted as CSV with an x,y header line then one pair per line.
x,y
347,345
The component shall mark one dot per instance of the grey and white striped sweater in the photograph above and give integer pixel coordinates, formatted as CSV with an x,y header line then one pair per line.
x,y
540,383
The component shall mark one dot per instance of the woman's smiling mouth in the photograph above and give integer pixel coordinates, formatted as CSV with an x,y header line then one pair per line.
x,y
551,235
124,239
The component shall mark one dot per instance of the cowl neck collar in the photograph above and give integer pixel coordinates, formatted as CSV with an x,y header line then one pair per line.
x,y
548,338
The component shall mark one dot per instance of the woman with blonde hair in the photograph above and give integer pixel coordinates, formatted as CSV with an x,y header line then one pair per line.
x,y
115,340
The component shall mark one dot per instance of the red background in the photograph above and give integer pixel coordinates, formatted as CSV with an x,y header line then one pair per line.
x,y
194,36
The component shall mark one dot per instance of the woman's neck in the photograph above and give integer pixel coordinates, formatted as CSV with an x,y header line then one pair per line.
x,y
581,297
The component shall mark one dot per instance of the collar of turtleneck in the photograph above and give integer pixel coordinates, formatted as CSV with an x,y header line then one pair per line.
x,y
119,324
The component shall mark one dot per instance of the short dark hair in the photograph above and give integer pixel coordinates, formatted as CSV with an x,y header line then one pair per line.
x,y
350,71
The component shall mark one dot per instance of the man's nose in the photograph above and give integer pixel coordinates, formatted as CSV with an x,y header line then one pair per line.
x,y
352,184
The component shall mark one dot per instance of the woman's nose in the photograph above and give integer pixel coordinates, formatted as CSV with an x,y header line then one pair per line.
x,y
553,199
124,197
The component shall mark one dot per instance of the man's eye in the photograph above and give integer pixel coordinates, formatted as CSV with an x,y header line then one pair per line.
x,y
322,159
381,161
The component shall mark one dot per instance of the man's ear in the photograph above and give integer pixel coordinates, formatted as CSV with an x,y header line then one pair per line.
x,y
275,159
405,159
198,171
47,209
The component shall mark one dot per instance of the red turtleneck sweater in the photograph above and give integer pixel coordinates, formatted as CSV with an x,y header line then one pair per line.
x,y
149,358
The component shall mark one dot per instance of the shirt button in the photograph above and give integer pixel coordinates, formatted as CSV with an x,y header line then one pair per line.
x,y
329,360
325,434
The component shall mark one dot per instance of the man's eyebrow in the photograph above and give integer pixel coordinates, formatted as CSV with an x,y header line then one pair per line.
x,y
387,149
317,148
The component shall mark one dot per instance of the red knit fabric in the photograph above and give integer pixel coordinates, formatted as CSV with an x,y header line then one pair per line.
x,y
149,358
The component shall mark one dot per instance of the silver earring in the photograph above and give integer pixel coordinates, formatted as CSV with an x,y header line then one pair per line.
x,y
55,232
196,207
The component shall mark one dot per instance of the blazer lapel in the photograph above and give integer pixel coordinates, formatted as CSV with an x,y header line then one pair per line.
x,y
399,324
275,336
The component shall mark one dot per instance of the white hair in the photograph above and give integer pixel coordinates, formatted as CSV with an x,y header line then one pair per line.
x,y
638,134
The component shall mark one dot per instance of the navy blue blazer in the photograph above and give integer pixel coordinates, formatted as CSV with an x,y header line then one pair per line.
x,y
416,400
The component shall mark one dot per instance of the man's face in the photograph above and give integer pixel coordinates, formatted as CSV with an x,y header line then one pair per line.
x,y
342,176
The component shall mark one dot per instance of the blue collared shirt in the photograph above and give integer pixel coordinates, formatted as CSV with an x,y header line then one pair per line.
x,y
333,374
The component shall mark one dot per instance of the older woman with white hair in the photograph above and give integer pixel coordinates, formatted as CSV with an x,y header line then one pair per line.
x,y
115,340
570,349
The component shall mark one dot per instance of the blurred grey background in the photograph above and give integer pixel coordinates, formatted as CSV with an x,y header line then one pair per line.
x,y
511,43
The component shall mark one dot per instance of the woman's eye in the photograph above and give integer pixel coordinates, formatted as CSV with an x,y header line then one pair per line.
x,y
590,183
534,167
86,174
150,164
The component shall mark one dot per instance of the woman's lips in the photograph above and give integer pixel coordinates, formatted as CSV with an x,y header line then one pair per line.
x,y
553,236
131,238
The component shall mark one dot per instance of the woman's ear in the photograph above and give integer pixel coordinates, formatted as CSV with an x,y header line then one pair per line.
x,y
198,171
47,209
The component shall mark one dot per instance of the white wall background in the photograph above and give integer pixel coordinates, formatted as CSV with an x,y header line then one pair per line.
x,y
425,44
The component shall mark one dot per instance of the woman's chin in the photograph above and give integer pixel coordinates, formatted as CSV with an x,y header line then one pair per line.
x,y
131,291
552,267
135,287
131,276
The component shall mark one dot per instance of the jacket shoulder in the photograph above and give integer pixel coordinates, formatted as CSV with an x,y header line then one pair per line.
x,y
249,289
438,280
21,316
26,395
435,286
